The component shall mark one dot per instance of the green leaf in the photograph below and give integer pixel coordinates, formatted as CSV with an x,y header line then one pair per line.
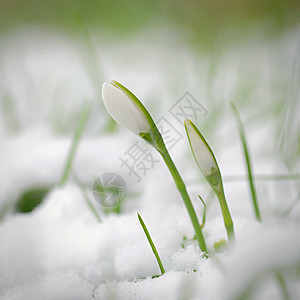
x,y
30,199
146,136
151,244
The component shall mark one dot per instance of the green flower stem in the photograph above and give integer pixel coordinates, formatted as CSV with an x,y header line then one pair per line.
x,y
148,131
186,199
151,244
226,214
204,211
206,160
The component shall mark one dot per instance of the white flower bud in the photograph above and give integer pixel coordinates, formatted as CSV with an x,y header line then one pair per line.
x,y
203,154
125,108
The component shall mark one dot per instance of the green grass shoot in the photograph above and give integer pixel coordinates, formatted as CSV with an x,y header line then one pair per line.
x,y
85,112
248,162
31,198
151,244
283,286
86,197
4,208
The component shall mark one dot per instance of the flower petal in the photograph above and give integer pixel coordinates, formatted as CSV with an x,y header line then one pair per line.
x,y
123,109
201,151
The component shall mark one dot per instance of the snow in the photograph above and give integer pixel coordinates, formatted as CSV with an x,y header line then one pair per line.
x,y
61,246
60,251
271,248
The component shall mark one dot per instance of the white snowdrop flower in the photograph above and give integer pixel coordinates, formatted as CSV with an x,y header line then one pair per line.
x,y
207,163
203,154
126,109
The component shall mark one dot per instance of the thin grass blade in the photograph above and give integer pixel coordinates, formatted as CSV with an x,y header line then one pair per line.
x,y
85,112
86,197
151,244
248,162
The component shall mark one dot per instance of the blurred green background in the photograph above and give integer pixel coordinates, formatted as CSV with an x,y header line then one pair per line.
x,y
203,20
220,51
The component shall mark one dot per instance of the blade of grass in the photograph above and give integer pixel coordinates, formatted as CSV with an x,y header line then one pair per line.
x,y
85,112
86,197
292,206
282,285
151,244
248,162
4,208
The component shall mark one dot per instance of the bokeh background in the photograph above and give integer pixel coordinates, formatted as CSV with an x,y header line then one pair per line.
x,y
55,55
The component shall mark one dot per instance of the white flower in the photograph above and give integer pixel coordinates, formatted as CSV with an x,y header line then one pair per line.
x,y
125,108
203,154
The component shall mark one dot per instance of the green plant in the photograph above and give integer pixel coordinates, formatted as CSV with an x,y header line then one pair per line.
x,y
85,112
127,110
282,285
248,162
30,199
151,244
86,197
207,163
4,208
204,211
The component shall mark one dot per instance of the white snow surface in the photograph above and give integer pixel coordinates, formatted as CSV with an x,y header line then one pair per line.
x,y
60,251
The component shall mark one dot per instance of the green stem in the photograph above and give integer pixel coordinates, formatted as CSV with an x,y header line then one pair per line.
x,y
77,136
252,187
4,208
226,214
204,212
152,245
186,199
248,162
86,197
283,287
